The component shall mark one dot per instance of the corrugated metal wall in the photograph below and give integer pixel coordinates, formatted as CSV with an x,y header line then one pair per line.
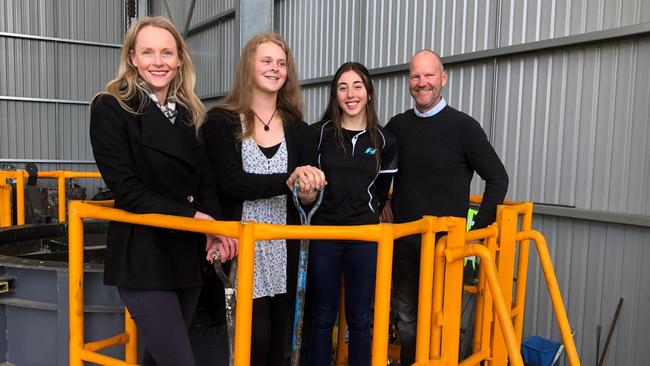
x,y
215,50
570,123
55,56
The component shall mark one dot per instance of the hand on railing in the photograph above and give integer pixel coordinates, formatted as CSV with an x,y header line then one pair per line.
x,y
226,246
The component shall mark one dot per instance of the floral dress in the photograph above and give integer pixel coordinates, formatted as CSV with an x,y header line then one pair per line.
x,y
270,255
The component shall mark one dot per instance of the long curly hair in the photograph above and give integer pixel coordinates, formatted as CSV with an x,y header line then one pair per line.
x,y
289,102
125,85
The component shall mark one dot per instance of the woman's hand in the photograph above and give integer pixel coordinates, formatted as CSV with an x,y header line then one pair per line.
x,y
310,179
226,246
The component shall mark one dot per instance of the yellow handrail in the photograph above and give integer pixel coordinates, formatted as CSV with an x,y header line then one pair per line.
x,y
249,232
19,176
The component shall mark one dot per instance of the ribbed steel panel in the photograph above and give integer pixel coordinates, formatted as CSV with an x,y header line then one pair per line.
x,y
527,20
321,34
44,131
206,9
380,33
32,68
98,21
596,264
213,52
573,126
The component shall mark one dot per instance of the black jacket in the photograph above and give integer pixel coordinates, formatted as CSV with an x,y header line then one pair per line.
x,y
152,166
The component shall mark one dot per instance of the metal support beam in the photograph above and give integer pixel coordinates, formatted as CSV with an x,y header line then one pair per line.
x,y
254,16
47,161
579,40
591,215
43,100
59,40
210,22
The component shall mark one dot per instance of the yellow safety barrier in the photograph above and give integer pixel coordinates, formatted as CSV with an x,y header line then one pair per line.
x,y
19,176
445,318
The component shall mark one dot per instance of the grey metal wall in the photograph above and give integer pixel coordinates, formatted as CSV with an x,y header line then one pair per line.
x,y
214,42
568,117
55,56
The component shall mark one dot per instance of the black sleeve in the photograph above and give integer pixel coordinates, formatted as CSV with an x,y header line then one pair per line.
x,y
487,164
207,200
309,145
224,153
387,169
115,161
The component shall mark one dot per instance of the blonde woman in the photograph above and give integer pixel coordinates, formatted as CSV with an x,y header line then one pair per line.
x,y
256,140
143,131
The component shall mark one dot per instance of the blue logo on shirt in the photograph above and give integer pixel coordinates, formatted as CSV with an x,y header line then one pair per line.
x,y
370,151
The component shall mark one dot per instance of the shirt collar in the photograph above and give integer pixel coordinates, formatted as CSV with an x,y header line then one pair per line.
x,y
169,109
433,111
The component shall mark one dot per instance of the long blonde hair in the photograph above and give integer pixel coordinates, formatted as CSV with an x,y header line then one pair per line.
x,y
289,103
125,85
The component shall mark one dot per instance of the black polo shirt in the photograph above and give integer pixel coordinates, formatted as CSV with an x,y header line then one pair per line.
x,y
357,186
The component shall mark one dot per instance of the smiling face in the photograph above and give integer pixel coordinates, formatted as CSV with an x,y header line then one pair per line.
x,y
426,79
155,55
269,68
352,94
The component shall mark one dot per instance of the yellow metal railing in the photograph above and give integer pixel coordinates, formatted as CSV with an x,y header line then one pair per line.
x,y
19,176
447,319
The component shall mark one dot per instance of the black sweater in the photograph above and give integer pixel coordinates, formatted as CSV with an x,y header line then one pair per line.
x,y
437,159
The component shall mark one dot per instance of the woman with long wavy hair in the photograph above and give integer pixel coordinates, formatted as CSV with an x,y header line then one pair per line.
x,y
143,131
257,142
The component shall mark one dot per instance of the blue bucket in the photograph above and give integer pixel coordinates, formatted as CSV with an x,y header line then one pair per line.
x,y
539,351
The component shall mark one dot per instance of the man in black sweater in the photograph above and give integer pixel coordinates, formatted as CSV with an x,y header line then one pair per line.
x,y
439,150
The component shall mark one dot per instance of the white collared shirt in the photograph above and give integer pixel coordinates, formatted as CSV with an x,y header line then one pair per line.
x,y
433,111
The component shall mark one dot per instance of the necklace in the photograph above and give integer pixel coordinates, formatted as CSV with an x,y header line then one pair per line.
x,y
266,124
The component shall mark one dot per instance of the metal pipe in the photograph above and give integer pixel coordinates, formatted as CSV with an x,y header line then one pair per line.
x,y
554,292
382,295
76,284
503,314
425,292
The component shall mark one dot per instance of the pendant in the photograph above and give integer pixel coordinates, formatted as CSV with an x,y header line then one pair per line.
x,y
266,128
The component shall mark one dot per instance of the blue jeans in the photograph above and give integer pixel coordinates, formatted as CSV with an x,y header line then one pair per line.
x,y
357,261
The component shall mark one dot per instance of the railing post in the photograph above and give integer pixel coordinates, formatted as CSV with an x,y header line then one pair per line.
x,y
61,196
505,260
243,316
76,285
425,292
20,197
5,201
382,295
453,292
131,345
522,271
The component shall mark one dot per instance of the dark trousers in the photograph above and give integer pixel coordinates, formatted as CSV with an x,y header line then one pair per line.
x,y
406,281
357,261
162,317
270,330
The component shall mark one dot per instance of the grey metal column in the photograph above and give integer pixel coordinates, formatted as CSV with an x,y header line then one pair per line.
x,y
254,16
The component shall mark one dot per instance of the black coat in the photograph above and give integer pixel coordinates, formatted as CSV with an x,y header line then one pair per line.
x,y
234,185
152,166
